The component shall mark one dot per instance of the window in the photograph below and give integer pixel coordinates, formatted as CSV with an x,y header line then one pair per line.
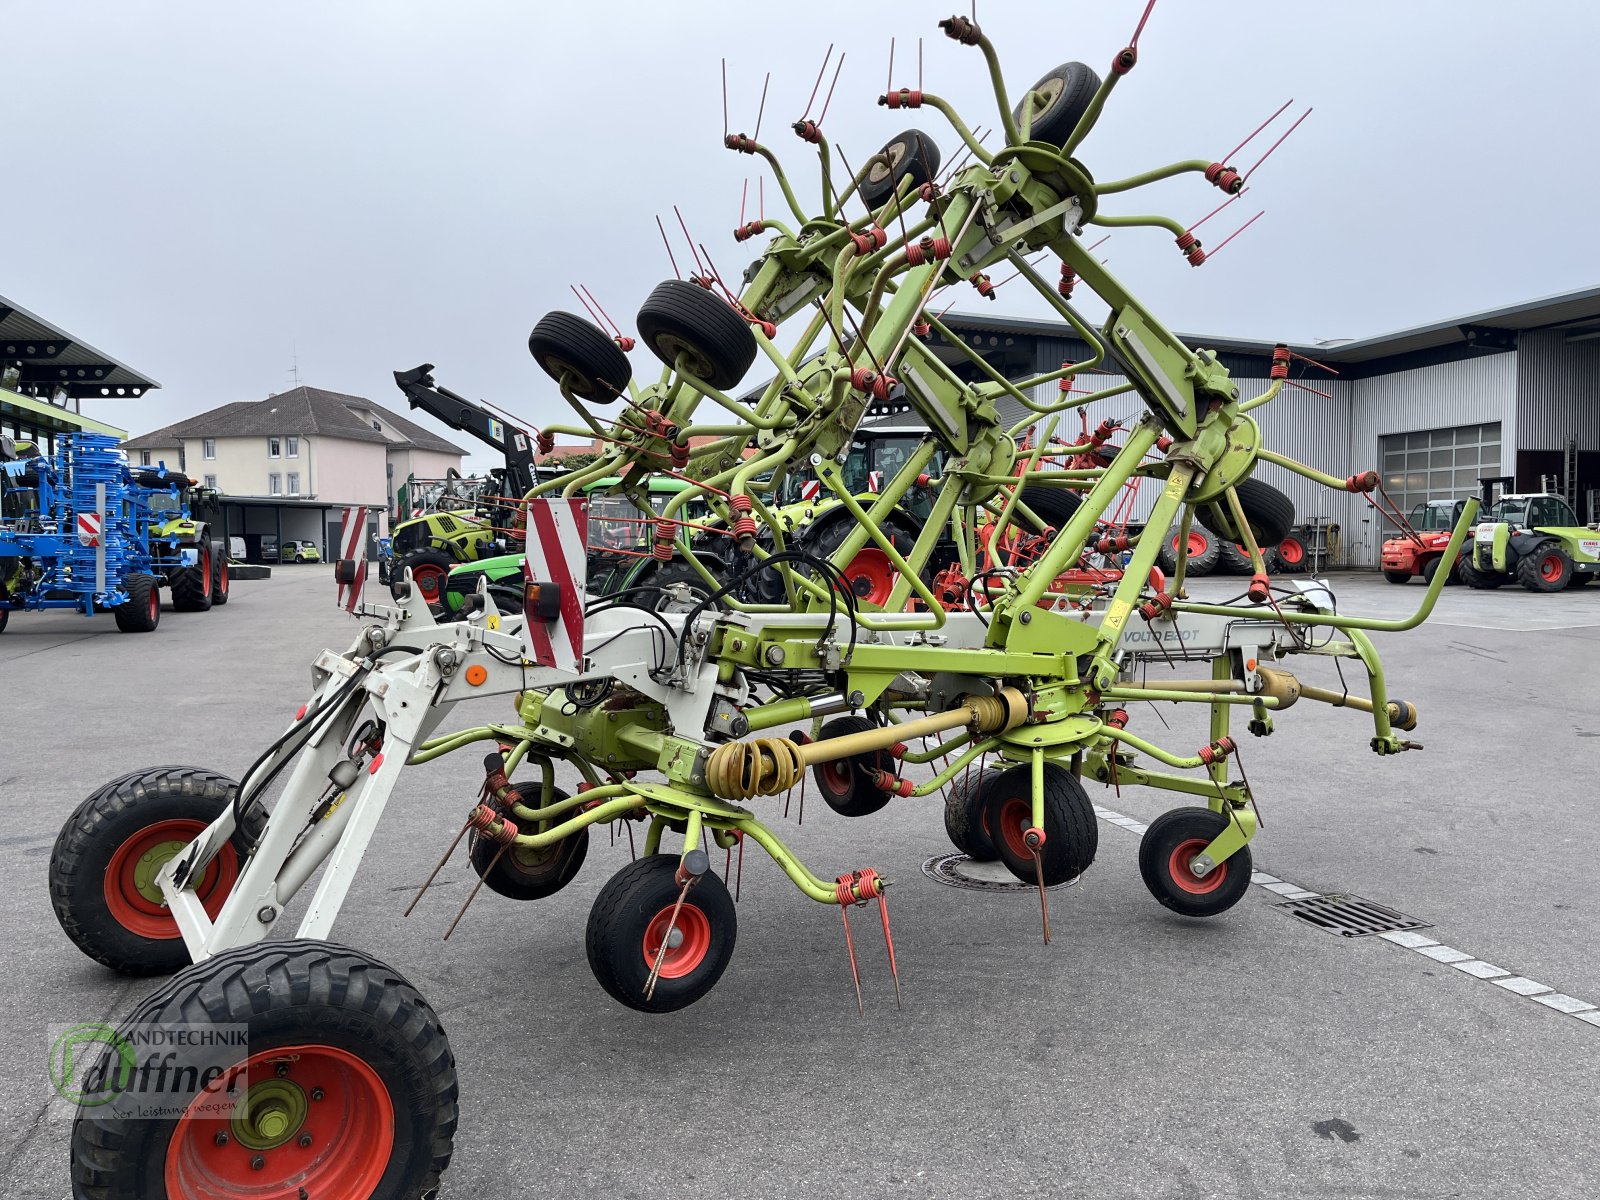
x,y
274,484
1438,465
211,482
274,447
144,458
294,482
208,447
293,447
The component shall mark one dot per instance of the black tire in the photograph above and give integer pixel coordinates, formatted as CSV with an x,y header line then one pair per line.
x,y
568,347
966,815
529,874
85,867
631,914
1269,512
1071,834
219,574
431,568
1069,89
682,318
5,618
846,784
1548,568
1052,504
1294,556
191,586
142,612
1204,549
1397,576
1481,580
361,1034
1431,568
653,583
912,154
1167,847
1233,559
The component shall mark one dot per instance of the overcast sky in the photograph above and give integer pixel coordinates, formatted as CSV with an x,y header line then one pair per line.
x,y
208,191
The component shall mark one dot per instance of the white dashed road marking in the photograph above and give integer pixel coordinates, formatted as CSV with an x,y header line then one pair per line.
x,y
1416,942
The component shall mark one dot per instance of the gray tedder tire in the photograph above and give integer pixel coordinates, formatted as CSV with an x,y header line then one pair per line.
x,y
965,818
682,319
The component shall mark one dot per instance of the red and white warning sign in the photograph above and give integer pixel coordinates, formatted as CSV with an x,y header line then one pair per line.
x,y
558,532
810,490
89,526
351,569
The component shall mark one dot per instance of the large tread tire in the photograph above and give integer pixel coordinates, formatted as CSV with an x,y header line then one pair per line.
x,y
567,347
1294,556
1068,90
219,573
1547,569
966,815
635,904
430,569
846,784
142,612
653,582
529,874
682,318
1483,581
1204,549
88,878
912,154
1397,576
1269,512
316,1000
1232,559
191,586
1166,849
1071,832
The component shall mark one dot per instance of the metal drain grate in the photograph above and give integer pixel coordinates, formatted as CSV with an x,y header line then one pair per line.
x,y
957,870
1350,916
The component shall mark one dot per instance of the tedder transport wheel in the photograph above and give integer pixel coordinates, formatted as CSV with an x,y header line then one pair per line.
x,y
629,924
1171,844
526,873
847,784
569,348
683,319
1064,98
219,573
105,860
1269,511
966,817
1547,569
1204,550
191,586
1071,835
912,154
142,612
341,1085
429,569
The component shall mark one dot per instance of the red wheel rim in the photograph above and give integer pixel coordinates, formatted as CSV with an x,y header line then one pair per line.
x,y
1291,552
131,895
222,578
1016,818
155,603
326,1098
428,579
1178,870
1197,544
205,571
691,931
871,577
1550,568
836,776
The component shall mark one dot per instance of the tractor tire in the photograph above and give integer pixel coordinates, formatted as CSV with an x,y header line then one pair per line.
x,y
109,849
652,585
529,874
5,618
1071,833
347,1057
568,347
1480,580
1431,568
429,569
966,816
870,574
142,612
630,920
683,319
1167,848
1067,93
911,155
846,783
1269,512
1547,569
1397,576
191,586
1233,559
1293,556
1204,550
219,573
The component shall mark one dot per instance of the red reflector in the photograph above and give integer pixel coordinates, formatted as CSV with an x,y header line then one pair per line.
x,y
376,763
301,713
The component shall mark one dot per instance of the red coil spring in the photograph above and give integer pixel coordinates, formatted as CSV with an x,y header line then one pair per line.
x,y
1151,609
482,817
1163,444
744,528
904,98
898,750
1110,545
1280,363
1190,247
984,285
1118,719
745,232
680,455
891,784
1225,178
921,329
962,30
1217,750
666,531
1125,60
873,239
740,503
547,442
807,131
918,253
858,887
738,141
704,281
930,191
623,342
1069,280
1364,482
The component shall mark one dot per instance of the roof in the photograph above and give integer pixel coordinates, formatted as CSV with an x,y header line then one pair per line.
x,y
303,411
51,357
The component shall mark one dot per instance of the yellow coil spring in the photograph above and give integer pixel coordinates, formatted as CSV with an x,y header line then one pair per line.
x,y
760,767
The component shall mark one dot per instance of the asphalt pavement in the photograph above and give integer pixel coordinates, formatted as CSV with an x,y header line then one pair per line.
x,y
1138,1055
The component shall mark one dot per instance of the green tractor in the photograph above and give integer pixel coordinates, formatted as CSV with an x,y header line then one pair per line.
x,y
1534,538
183,519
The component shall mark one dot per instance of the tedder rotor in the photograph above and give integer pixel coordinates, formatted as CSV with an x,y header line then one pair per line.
x,y
674,715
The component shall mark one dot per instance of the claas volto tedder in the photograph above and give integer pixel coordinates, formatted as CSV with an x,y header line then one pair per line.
x,y
677,719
